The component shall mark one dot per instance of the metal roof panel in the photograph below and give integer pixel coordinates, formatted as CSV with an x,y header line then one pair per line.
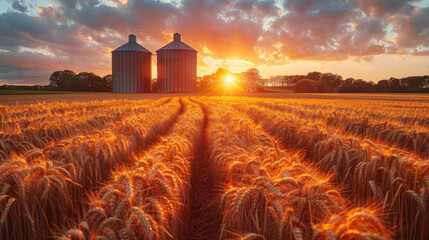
x,y
176,44
131,45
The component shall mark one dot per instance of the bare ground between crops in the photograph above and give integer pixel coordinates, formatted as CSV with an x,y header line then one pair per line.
x,y
204,213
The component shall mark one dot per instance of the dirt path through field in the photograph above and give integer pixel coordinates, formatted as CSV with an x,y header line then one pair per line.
x,y
204,213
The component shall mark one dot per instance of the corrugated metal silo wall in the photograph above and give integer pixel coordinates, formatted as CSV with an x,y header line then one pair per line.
x,y
177,70
131,72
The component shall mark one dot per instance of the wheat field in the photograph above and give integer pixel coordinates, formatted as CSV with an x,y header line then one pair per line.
x,y
216,167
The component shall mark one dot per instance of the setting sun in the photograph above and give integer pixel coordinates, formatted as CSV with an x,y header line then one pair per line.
x,y
229,79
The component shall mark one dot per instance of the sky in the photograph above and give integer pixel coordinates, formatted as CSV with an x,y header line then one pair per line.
x,y
367,39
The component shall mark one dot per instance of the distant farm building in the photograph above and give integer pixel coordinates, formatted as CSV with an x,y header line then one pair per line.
x,y
131,68
177,67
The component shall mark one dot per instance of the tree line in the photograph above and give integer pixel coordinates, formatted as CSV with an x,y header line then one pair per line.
x,y
250,76
68,80
313,82
329,82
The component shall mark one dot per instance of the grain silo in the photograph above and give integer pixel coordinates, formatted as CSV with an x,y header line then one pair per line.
x,y
131,68
177,67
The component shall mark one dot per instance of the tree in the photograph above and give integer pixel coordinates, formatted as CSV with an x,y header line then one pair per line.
x,y
416,81
357,85
85,81
314,75
79,82
207,80
88,81
309,86
383,86
60,79
275,80
292,80
221,74
332,80
107,83
252,75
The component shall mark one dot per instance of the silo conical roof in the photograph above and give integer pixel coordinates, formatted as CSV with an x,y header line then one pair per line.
x,y
132,45
177,44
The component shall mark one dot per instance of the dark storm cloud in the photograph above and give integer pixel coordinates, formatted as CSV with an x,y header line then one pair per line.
x,y
22,30
19,6
384,7
20,68
267,8
413,30
331,7
35,68
314,29
79,34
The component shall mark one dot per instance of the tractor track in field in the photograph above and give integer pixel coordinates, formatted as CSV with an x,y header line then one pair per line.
x,y
204,220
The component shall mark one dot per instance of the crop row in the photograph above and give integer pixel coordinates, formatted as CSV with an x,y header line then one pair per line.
x,y
401,136
148,200
214,168
398,183
42,186
271,193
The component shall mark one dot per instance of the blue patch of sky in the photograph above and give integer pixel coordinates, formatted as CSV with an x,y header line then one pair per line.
x,y
31,5
422,4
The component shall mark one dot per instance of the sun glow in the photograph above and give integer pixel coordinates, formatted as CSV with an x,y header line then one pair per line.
x,y
228,85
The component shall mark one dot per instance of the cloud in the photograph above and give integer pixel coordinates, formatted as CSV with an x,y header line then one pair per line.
x,y
380,8
421,53
325,30
19,6
35,67
79,34
413,30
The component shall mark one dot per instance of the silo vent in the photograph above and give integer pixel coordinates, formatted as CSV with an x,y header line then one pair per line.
x,y
132,38
177,37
